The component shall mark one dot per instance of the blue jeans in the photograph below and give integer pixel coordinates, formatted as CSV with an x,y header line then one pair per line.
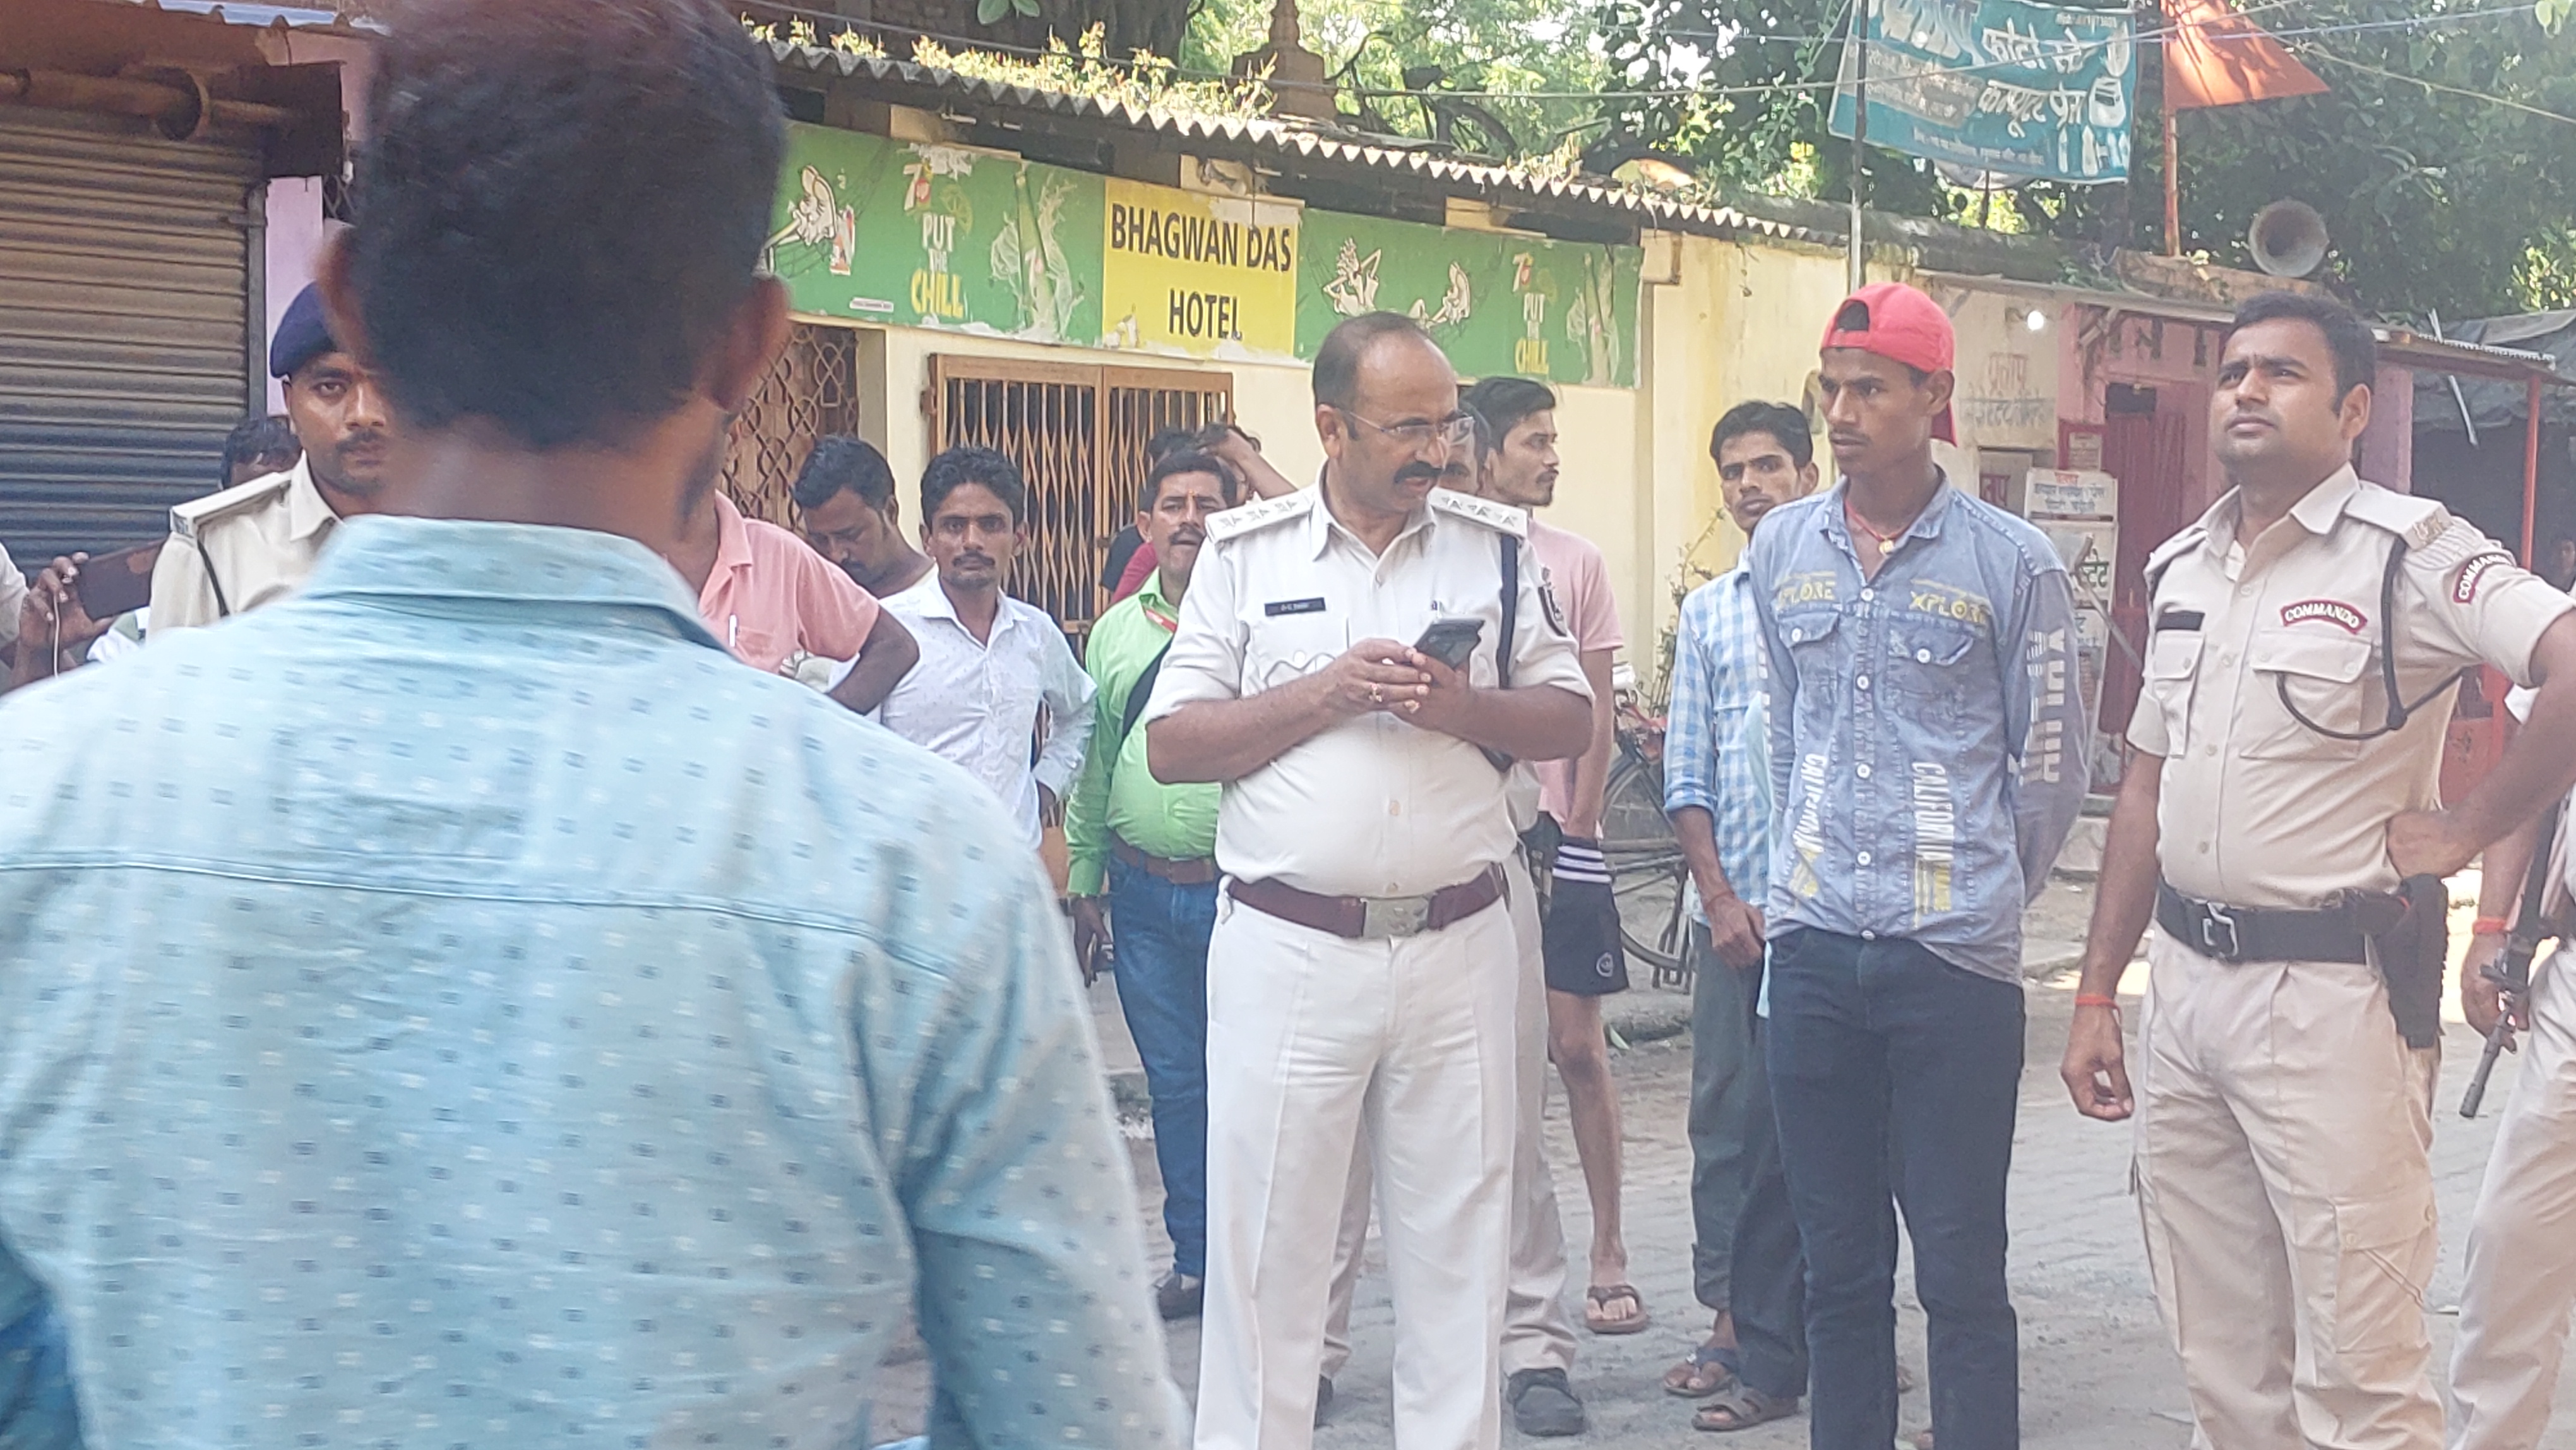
x,y
1888,1063
1162,934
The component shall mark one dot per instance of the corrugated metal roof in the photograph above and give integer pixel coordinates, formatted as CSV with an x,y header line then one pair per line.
x,y
1302,142
291,17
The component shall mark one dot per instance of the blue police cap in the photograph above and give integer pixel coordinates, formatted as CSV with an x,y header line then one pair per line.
x,y
302,335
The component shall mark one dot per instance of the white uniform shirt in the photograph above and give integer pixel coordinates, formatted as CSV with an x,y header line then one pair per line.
x,y
977,703
13,596
1371,806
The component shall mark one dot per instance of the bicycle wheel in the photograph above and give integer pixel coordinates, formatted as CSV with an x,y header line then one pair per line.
x,y
1647,873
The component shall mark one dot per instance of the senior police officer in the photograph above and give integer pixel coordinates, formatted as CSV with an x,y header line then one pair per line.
x,y
1363,968
243,547
2278,823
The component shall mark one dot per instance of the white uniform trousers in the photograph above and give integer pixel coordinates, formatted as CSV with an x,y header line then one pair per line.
x,y
2287,1196
1538,1333
1311,1039
2522,1241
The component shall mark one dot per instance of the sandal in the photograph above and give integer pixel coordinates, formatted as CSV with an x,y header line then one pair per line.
x,y
1691,1379
1741,1408
1597,1302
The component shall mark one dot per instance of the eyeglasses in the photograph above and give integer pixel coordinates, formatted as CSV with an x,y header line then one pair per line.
x,y
1455,431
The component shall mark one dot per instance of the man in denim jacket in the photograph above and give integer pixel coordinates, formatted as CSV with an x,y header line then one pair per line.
x,y
1928,747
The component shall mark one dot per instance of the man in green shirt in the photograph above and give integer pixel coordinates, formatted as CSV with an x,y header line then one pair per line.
x,y
1154,845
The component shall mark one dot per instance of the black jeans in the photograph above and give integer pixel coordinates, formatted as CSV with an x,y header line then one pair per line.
x,y
1770,1277
1886,1061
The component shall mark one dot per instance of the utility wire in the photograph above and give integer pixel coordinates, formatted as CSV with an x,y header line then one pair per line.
x,y
2321,53
1768,88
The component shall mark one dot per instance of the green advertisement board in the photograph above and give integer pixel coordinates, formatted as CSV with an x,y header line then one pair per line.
x,y
1564,311
923,235
917,234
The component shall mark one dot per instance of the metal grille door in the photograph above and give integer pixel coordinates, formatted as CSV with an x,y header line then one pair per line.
x,y
125,347
812,391
1078,435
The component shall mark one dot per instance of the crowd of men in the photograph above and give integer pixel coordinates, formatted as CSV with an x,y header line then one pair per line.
x,y
457,1001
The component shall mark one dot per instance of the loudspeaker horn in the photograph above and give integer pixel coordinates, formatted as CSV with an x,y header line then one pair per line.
x,y
2288,239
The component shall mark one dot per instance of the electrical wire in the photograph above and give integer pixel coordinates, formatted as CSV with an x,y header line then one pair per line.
x,y
2321,53
1767,88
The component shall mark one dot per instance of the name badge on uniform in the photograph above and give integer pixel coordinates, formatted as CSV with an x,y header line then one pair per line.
x,y
1278,607
2179,619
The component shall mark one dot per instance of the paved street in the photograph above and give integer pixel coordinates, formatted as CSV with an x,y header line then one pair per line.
x,y
2096,1373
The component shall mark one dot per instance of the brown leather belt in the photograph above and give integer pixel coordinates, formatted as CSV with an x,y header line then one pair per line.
x,y
1197,872
1361,917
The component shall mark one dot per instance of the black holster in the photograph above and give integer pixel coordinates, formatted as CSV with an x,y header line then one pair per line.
x,y
2413,949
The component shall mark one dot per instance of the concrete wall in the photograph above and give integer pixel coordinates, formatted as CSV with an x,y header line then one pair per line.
x,y
1731,322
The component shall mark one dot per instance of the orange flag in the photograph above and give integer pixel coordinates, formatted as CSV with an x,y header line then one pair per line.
x,y
2216,57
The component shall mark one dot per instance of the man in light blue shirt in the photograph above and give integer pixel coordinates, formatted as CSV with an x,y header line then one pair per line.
x,y
462,1005
1927,754
1745,1264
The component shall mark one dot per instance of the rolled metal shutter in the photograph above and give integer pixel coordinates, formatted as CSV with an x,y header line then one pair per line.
x,y
125,272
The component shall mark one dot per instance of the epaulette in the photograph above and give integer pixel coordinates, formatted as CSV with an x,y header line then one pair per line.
x,y
186,518
1500,517
1244,518
2416,519
2193,535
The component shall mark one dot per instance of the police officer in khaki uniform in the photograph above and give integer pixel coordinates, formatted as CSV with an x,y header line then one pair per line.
x,y
243,547
1364,969
2304,637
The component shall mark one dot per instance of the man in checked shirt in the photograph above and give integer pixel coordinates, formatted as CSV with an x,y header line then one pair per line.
x,y
1927,748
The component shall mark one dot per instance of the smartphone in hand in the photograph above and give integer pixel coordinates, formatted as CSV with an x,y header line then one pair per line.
x,y
1451,641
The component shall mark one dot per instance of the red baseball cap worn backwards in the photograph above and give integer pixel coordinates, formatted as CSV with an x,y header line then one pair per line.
x,y
1902,325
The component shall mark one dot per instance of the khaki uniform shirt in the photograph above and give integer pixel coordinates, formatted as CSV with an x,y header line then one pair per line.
x,y
2256,808
1370,806
239,549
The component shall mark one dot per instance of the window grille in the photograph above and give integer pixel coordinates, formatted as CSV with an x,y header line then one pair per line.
x,y
812,390
1078,434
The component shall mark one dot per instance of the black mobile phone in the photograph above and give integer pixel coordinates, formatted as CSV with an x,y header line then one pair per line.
x,y
112,584
1451,641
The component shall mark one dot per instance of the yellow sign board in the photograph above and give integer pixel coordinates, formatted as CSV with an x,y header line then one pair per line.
x,y
1184,271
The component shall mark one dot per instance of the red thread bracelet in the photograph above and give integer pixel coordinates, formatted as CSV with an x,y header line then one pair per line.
x,y
2490,926
2089,999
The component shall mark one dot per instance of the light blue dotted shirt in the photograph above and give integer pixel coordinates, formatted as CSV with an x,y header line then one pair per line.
x,y
460,1006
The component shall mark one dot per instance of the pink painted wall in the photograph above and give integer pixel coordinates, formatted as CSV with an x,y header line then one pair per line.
x,y
296,231
2388,445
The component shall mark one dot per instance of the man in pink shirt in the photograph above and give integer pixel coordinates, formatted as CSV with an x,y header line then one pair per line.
x,y
1581,933
773,600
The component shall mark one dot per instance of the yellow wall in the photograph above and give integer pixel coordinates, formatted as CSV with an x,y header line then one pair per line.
x,y
1738,321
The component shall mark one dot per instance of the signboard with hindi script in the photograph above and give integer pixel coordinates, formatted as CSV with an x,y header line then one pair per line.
x,y
926,235
1496,302
1207,275
2003,87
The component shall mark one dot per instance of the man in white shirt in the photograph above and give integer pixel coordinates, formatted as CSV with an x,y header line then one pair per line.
x,y
988,662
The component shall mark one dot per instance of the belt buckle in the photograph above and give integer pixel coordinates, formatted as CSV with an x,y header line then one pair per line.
x,y
2218,924
1391,916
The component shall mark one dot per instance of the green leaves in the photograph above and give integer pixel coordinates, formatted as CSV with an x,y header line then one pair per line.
x,y
989,11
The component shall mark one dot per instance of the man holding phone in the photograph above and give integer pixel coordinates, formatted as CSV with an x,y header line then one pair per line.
x,y
1368,976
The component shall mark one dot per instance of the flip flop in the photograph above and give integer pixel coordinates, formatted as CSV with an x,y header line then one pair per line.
x,y
1741,1408
1695,1383
1600,1296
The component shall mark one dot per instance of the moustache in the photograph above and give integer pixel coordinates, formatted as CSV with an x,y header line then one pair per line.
x,y
1413,472
985,560
365,440
1187,539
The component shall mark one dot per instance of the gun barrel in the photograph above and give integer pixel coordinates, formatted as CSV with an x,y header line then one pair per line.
x,y
2476,1096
